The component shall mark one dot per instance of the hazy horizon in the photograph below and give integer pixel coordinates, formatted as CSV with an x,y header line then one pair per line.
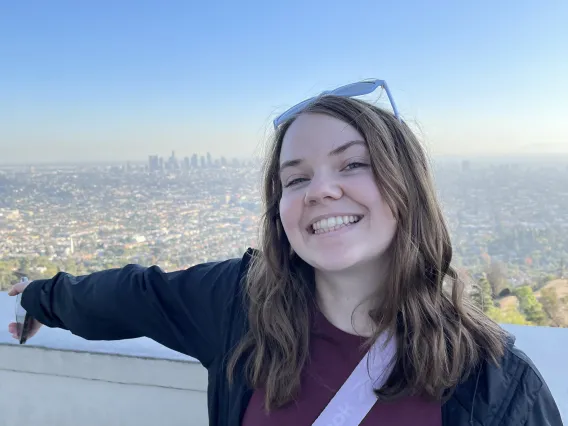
x,y
118,81
540,157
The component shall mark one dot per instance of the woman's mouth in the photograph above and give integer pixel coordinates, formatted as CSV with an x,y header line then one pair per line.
x,y
335,223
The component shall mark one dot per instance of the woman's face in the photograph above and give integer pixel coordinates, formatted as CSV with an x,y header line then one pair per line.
x,y
331,208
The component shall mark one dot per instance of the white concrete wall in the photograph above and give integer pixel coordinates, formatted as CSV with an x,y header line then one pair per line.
x,y
48,387
59,379
41,386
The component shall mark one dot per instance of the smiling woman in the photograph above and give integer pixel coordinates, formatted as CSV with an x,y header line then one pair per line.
x,y
342,316
355,248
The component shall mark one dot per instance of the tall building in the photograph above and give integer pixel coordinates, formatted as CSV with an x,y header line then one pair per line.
x,y
153,163
173,162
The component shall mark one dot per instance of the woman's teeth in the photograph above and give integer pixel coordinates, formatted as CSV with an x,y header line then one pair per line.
x,y
334,223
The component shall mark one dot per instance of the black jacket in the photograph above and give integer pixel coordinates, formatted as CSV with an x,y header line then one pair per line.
x,y
199,312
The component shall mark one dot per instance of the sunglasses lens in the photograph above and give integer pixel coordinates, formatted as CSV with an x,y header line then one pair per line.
x,y
356,89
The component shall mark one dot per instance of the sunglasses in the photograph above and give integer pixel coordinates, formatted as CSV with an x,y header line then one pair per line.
x,y
360,88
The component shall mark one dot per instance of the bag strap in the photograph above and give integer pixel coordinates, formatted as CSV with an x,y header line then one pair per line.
x,y
356,397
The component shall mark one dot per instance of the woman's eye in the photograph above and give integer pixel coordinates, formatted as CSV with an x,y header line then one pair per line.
x,y
294,182
354,165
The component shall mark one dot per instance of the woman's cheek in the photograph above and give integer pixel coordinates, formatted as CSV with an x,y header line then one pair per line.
x,y
290,211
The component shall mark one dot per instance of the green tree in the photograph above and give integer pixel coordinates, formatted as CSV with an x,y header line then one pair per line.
x,y
496,275
530,306
25,266
482,294
7,277
69,266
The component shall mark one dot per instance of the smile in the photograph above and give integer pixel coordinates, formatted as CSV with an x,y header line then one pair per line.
x,y
334,223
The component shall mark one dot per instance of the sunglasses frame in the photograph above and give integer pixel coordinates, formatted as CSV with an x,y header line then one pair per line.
x,y
348,91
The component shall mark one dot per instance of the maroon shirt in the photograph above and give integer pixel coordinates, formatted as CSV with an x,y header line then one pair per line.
x,y
334,354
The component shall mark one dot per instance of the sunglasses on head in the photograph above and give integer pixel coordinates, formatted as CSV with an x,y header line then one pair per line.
x,y
360,88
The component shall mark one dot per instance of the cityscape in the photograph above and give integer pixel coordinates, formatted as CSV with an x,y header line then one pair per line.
x,y
507,216
163,212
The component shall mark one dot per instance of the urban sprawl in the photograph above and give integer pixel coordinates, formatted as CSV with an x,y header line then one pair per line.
x,y
179,212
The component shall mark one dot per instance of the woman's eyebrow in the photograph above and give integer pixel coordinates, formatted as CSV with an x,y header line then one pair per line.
x,y
336,151
342,148
290,163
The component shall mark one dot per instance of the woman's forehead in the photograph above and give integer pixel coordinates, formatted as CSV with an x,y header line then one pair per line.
x,y
313,134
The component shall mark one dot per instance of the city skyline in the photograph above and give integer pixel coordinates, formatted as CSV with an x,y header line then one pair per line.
x,y
554,157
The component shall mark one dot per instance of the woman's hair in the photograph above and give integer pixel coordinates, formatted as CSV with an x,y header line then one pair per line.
x,y
441,337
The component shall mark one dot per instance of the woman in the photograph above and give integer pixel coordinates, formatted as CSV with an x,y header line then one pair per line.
x,y
354,250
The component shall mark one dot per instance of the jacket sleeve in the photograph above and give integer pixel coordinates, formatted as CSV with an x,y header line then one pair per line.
x,y
183,310
544,411
532,399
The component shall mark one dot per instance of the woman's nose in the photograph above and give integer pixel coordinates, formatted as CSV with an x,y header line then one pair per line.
x,y
321,190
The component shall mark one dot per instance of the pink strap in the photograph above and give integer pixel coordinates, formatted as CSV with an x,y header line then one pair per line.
x,y
355,398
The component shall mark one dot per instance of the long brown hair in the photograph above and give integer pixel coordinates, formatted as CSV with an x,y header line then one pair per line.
x,y
441,336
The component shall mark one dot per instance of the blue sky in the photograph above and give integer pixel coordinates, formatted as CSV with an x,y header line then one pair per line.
x,y
124,79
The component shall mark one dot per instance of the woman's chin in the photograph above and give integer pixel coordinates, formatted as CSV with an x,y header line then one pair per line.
x,y
331,263
342,260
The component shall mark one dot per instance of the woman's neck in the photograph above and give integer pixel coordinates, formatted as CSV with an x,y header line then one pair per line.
x,y
347,298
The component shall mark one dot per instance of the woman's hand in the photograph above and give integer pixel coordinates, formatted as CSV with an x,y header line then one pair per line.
x,y
13,327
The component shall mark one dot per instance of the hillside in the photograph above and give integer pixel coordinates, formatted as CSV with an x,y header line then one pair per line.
x,y
509,307
561,287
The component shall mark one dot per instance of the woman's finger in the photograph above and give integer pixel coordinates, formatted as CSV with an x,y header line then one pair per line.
x,y
17,288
